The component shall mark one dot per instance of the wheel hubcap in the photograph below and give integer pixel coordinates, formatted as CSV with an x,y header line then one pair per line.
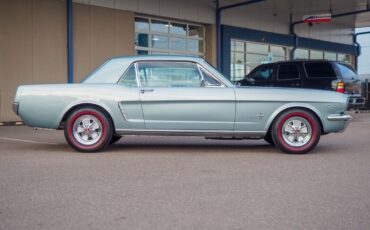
x,y
297,131
87,130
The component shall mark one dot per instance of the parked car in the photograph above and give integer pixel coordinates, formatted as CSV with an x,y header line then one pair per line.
x,y
327,75
174,95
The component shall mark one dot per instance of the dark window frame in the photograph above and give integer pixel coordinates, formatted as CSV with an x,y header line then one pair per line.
x,y
264,65
294,64
313,78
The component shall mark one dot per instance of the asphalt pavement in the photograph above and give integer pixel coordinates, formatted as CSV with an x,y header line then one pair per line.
x,y
184,183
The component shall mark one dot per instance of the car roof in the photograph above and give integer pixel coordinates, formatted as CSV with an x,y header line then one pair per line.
x,y
305,60
158,57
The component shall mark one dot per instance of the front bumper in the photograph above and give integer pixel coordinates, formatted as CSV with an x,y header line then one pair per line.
x,y
343,119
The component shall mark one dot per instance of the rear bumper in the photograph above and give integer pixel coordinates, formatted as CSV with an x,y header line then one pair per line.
x,y
342,119
356,102
15,107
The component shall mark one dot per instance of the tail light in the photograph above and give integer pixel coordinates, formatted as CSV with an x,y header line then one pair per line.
x,y
340,87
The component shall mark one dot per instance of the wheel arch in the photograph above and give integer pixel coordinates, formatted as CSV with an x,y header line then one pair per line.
x,y
102,108
287,107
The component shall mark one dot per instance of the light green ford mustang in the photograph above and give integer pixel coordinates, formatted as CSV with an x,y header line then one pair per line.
x,y
174,95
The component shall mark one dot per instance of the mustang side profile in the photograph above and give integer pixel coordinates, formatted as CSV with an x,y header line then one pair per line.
x,y
175,95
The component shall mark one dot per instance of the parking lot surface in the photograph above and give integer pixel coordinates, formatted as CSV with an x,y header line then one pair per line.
x,y
184,183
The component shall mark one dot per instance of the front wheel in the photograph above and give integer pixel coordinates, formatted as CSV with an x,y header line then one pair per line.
x,y
88,130
296,131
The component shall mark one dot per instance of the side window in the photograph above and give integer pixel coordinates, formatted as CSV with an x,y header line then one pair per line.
x,y
347,72
169,74
288,72
208,79
129,77
319,70
263,73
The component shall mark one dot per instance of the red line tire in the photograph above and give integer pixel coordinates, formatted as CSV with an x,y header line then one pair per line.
x,y
101,130
296,131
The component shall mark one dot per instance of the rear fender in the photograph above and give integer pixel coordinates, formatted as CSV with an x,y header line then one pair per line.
x,y
83,102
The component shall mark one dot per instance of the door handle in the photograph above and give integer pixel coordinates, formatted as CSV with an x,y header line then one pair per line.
x,y
146,90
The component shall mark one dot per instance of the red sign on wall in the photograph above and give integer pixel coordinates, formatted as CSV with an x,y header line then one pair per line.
x,y
317,18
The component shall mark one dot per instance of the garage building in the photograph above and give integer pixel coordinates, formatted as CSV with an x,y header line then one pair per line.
x,y
59,41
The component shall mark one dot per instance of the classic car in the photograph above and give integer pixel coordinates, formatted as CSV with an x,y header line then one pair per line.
x,y
176,95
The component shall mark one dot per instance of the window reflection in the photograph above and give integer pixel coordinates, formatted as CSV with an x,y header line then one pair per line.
x,y
160,42
177,28
157,36
141,24
159,26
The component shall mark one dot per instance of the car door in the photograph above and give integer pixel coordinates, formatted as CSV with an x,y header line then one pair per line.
x,y
288,75
129,101
182,95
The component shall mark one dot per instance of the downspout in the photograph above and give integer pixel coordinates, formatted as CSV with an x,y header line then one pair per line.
x,y
292,26
358,47
70,40
218,24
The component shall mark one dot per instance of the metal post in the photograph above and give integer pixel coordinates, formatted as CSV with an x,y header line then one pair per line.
x,y
218,34
218,25
358,47
292,25
70,40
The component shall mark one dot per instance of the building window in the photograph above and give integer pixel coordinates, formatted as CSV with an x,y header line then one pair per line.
x,y
245,56
158,36
322,55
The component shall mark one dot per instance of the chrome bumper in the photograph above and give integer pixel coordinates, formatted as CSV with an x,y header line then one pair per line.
x,y
15,107
339,117
344,119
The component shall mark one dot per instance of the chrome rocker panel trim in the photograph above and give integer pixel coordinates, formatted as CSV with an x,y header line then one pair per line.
x,y
205,133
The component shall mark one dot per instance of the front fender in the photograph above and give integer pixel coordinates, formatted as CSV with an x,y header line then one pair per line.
x,y
292,106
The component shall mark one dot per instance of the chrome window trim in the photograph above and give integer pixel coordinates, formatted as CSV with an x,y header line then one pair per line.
x,y
137,83
223,85
200,68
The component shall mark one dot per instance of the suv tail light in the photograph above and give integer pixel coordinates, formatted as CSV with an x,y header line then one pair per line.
x,y
340,87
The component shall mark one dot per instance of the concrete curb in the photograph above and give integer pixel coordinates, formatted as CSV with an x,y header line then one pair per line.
x,y
11,123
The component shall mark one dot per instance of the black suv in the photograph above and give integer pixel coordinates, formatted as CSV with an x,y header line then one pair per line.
x,y
327,75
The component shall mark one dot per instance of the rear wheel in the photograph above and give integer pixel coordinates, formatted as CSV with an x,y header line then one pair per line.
x,y
88,130
296,131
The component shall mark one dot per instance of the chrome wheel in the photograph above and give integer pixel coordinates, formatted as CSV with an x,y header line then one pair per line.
x,y
87,129
296,131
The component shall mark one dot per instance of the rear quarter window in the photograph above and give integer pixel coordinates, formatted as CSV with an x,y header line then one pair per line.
x,y
347,72
320,70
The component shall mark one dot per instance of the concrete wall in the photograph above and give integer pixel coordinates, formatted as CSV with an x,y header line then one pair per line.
x,y
192,10
267,17
100,33
32,47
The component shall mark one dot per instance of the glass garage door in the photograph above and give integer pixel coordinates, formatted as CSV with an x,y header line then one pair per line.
x,y
245,56
160,36
306,54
